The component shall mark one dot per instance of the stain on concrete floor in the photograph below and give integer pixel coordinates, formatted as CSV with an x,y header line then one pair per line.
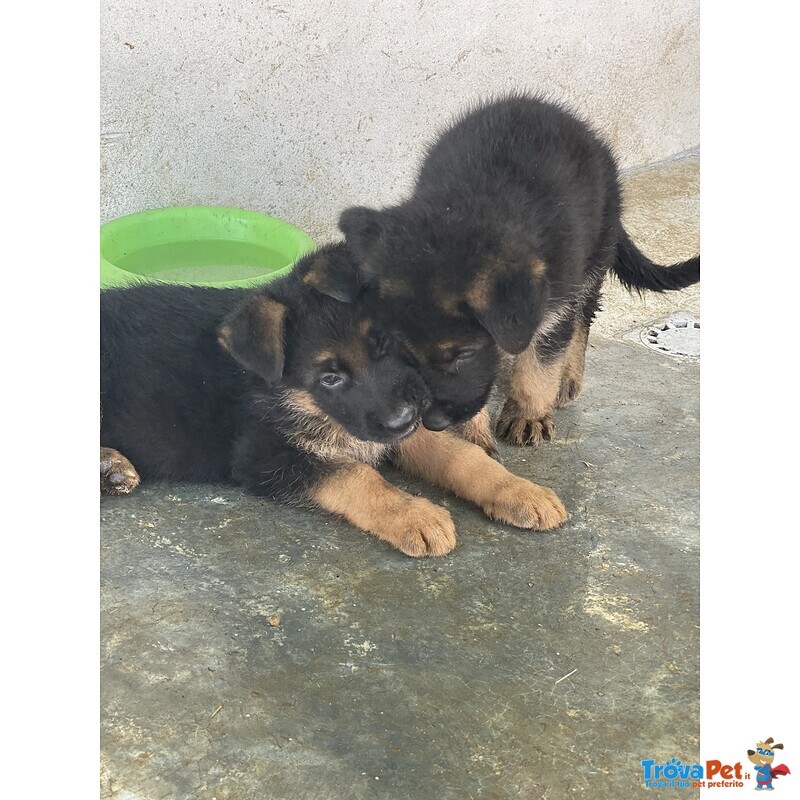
x,y
399,678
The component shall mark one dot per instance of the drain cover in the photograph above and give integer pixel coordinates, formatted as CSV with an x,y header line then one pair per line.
x,y
678,335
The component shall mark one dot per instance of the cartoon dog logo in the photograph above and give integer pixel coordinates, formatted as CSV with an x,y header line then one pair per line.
x,y
762,757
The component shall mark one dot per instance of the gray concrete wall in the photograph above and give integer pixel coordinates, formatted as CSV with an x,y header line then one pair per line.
x,y
299,108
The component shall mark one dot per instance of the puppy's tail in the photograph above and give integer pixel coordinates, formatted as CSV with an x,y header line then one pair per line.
x,y
636,271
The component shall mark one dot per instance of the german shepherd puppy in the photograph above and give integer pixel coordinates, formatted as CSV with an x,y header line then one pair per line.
x,y
504,243
294,394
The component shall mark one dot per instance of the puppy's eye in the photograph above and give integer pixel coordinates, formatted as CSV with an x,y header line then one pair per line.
x,y
465,355
331,379
454,356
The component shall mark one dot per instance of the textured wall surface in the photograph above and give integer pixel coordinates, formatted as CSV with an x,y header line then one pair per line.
x,y
301,108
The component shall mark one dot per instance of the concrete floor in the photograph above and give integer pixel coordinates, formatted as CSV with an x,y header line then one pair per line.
x,y
399,678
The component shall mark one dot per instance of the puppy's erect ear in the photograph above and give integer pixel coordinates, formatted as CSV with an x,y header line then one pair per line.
x,y
362,227
509,303
253,335
333,271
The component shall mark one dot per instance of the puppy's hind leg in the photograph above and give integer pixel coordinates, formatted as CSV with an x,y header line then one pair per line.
x,y
575,356
574,365
117,474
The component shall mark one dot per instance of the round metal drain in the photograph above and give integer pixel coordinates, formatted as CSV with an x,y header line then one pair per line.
x,y
679,335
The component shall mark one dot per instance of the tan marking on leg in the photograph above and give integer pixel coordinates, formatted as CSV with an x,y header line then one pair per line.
x,y
574,364
478,430
117,474
526,418
464,469
411,524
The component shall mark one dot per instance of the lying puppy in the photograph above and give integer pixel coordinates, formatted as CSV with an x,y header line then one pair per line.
x,y
512,226
294,394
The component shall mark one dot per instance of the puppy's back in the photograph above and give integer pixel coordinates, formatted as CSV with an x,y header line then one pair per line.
x,y
168,391
522,139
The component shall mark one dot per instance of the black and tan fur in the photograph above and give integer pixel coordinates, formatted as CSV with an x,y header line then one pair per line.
x,y
294,394
513,223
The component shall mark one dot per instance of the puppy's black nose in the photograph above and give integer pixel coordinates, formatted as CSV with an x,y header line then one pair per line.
x,y
436,420
400,418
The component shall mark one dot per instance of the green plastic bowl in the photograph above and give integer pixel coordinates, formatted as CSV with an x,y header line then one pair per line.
x,y
199,245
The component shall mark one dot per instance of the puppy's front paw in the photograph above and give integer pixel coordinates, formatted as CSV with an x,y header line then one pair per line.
x,y
117,474
424,529
518,428
526,505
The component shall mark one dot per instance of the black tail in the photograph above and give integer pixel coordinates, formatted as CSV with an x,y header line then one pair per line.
x,y
636,271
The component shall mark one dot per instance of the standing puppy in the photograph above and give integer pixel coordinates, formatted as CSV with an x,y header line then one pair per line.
x,y
512,226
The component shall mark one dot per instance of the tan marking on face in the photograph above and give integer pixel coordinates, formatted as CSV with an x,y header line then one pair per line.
x,y
538,268
304,401
466,470
364,327
480,294
395,288
446,347
354,354
351,354
224,338
413,525
324,355
311,430
450,304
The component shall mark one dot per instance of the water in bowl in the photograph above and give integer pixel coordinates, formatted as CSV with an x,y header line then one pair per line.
x,y
203,261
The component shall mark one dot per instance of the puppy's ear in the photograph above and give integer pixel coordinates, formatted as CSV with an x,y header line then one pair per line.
x,y
362,227
509,303
333,271
253,335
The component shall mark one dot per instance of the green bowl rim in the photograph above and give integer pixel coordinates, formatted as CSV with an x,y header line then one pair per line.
x,y
123,277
